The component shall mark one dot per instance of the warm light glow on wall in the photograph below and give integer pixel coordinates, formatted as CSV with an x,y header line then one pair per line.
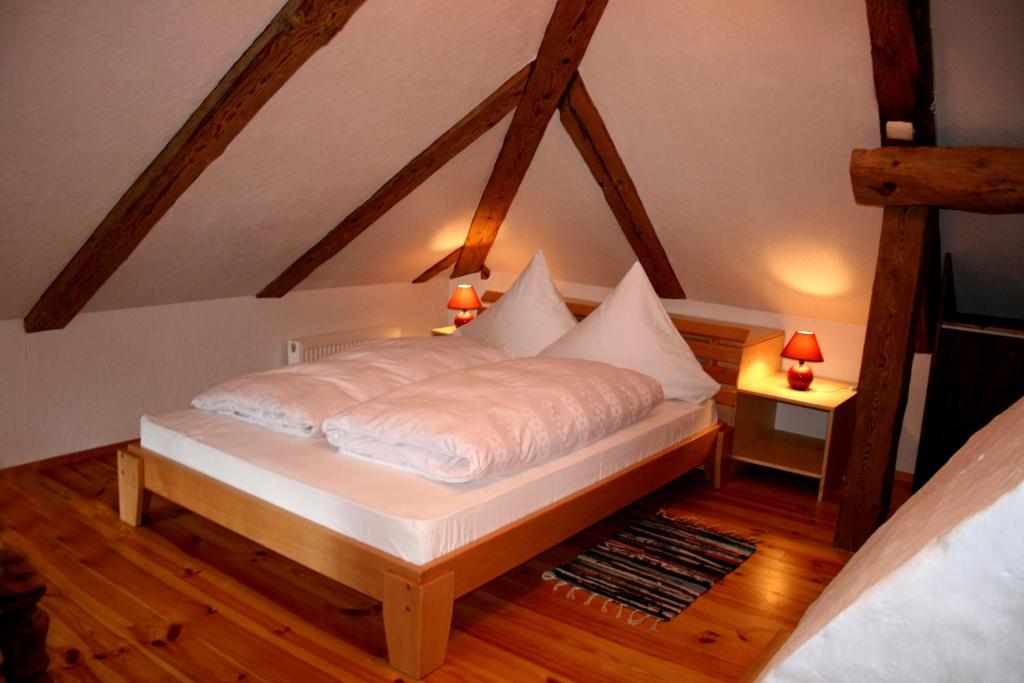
x,y
818,271
452,235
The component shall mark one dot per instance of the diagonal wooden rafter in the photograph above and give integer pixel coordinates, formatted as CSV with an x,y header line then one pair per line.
x,y
439,267
443,265
482,118
565,41
583,122
300,28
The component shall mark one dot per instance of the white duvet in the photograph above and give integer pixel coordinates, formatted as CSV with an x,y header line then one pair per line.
x,y
296,399
486,420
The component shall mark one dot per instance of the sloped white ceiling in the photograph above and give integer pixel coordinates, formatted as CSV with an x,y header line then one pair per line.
x,y
735,120
422,228
560,209
398,75
90,92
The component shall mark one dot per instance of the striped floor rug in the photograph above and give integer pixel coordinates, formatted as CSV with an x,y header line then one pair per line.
x,y
654,569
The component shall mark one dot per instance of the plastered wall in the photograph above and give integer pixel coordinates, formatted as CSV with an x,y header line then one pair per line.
x,y
87,385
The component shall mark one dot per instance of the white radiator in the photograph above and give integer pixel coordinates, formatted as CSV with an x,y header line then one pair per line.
x,y
315,348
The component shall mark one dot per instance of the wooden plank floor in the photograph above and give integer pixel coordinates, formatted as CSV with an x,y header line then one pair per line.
x,y
184,599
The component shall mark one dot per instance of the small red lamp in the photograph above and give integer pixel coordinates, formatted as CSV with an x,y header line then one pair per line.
x,y
802,347
464,300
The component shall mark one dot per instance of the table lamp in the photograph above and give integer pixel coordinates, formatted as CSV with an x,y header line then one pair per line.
x,y
464,300
802,347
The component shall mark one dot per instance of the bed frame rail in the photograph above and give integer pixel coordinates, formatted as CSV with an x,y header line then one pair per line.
x,y
417,599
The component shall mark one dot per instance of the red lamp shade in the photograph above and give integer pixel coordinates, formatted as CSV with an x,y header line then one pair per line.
x,y
464,300
802,347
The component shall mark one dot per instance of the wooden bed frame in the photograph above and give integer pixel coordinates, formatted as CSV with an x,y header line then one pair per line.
x,y
418,599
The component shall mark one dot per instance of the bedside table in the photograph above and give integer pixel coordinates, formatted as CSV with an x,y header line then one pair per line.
x,y
756,440
443,331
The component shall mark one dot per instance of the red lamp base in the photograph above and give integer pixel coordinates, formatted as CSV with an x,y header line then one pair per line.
x,y
463,317
800,376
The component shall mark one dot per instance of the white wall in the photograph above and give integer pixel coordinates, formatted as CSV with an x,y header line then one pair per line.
x,y
87,385
910,435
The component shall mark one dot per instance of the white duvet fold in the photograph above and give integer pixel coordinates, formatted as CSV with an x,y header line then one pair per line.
x,y
491,419
296,399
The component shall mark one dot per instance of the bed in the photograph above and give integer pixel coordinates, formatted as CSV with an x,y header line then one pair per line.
x,y
417,553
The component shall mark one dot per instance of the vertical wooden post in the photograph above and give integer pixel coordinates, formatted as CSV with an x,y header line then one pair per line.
x,y
884,375
901,60
130,488
417,619
901,57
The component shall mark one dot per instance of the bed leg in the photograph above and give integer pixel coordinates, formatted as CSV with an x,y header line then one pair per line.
x,y
417,618
131,490
718,469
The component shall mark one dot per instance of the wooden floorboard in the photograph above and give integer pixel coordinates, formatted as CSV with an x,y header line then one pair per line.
x,y
184,599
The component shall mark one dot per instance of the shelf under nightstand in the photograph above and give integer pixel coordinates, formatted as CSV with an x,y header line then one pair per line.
x,y
785,451
757,441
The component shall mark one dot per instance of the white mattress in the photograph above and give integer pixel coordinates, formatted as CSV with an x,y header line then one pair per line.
x,y
403,514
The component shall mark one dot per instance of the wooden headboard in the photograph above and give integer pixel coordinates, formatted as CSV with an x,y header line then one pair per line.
x,y
732,353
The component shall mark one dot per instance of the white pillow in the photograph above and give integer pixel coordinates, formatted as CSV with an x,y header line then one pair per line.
x,y
528,317
631,329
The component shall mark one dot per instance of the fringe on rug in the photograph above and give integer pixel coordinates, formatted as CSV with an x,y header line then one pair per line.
x,y
631,619
694,522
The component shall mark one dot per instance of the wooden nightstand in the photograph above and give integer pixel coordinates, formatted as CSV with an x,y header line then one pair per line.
x,y
443,331
757,441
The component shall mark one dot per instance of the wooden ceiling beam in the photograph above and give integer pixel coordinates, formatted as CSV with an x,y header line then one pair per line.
x,y
481,119
438,268
300,28
565,41
583,122
978,179
903,298
901,66
901,58
443,265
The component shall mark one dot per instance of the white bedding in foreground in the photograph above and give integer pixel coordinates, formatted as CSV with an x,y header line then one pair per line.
x,y
400,513
486,420
937,593
296,399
